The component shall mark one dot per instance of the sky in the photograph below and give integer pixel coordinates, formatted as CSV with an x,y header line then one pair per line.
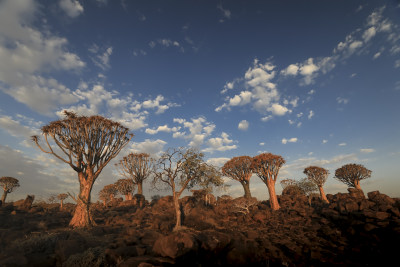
x,y
317,82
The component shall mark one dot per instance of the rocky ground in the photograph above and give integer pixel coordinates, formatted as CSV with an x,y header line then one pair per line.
x,y
352,230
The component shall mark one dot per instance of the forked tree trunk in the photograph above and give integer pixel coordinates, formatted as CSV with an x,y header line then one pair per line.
x,y
82,216
140,188
273,199
3,197
322,193
177,212
246,187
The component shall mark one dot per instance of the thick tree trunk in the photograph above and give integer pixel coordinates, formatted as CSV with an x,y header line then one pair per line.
x,y
61,204
323,196
82,216
246,187
273,199
357,184
104,203
177,212
140,188
3,197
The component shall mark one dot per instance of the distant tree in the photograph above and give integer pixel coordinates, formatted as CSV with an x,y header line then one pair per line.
x,y
62,197
285,183
352,174
318,176
108,193
181,169
125,187
307,187
239,169
137,167
87,144
9,184
52,199
267,166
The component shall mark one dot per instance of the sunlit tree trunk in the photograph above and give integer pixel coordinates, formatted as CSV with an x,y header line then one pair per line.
x,y
357,184
82,216
323,196
246,187
140,188
61,204
177,211
3,197
273,199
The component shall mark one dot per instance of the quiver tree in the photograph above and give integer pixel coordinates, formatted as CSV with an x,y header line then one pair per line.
x,y
137,167
318,176
352,174
9,184
125,187
181,169
267,166
238,169
108,193
62,197
87,144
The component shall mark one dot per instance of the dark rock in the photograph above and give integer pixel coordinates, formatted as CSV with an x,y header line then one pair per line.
x,y
351,206
356,193
65,248
176,244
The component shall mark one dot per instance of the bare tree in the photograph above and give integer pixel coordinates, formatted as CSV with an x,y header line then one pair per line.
x,y
9,184
125,187
238,169
285,183
318,176
352,174
87,144
108,193
62,197
181,169
267,166
137,167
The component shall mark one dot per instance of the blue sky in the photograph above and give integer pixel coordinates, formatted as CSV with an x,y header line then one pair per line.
x,y
314,81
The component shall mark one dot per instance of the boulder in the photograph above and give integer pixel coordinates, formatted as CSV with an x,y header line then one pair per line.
x,y
176,244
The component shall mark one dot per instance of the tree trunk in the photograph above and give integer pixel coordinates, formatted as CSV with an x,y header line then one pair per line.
x,y
246,187
104,203
323,196
61,204
273,199
177,212
357,184
3,198
140,188
82,216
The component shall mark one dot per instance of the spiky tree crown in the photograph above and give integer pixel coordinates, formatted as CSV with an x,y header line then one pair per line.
x,y
9,183
238,168
316,174
350,173
267,166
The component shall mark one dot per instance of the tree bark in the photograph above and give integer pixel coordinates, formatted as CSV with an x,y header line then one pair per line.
x,y
357,184
140,188
3,197
82,216
322,193
61,204
246,187
177,212
273,199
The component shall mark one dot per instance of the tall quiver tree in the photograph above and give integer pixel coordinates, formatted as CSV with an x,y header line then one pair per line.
x,y
352,174
62,197
239,169
266,166
125,187
8,184
181,169
87,144
318,176
136,166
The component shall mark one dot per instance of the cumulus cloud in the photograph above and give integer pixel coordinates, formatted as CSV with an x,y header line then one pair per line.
x,y
243,125
199,129
311,114
292,69
291,140
219,162
152,147
72,7
278,109
163,128
26,53
222,143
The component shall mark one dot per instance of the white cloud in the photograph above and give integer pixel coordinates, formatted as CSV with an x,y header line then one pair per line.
x,y
311,92
219,162
367,150
199,129
155,104
152,147
311,114
243,125
226,13
266,118
324,141
378,54
291,140
163,128
342,144
25,53
222,143
292,69
102,56
72,7
369,33
262,143
397,63
16,129
278,110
